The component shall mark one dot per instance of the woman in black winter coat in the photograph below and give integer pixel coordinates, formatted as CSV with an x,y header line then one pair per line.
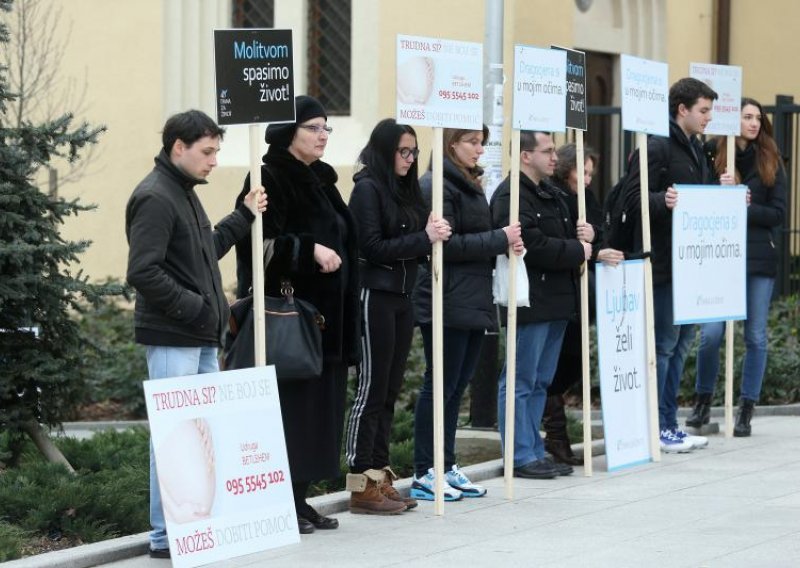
x,y
315,247
468,310
759,167
395,229
569,370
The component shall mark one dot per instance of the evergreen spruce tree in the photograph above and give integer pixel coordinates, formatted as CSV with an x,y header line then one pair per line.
x,y
41,290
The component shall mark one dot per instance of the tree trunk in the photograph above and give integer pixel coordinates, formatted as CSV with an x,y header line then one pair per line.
x,y
45,445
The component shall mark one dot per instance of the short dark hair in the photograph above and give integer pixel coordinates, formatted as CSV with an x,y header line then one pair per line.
x,y
189,126
568,161
527,139
687,92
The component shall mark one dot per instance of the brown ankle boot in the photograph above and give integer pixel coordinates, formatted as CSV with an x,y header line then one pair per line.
x,y
392,493
366,497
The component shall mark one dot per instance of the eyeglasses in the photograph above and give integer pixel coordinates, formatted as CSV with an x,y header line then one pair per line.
x,y
406,152
316,129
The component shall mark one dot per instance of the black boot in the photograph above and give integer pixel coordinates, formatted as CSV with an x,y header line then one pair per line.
x,y
557,441
702,411
742,427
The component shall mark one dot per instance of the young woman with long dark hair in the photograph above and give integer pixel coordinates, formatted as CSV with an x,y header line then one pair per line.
x,y
395,229
758,166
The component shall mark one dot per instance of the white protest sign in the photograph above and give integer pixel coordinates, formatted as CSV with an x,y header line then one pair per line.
x,y
726,80
645,95
439,82
222,464
709,253
540,83
623,363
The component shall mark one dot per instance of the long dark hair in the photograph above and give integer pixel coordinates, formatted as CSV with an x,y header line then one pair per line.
x,y
377,158
768,159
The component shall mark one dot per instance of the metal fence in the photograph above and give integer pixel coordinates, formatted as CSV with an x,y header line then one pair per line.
x,y
615,145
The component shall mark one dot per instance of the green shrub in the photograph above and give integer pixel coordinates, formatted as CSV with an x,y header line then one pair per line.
x,y
12,540
108,497
116,363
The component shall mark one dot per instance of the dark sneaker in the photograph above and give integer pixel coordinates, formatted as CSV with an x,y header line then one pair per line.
x,y
539,469
159,553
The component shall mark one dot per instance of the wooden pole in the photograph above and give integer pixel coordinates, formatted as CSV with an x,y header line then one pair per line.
x,y
257,246
652,379
731,167
438,324
511,325
587,387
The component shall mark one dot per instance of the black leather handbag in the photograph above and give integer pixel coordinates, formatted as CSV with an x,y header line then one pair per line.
x,y
294,336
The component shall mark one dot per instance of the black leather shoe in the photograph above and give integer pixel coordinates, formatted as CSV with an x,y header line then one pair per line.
x,y
539,469
304,525
319,522
159,553
561,468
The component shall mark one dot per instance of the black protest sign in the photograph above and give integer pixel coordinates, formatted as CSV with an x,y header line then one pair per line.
x,y
576,88
255,78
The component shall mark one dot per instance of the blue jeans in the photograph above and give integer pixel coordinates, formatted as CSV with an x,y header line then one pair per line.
x,y
538,347
162,363
672,345
675,372
460,357
759,294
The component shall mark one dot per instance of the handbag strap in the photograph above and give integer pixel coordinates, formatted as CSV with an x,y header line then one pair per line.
x,y
287,291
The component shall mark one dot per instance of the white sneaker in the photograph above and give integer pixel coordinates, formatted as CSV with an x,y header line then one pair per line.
x,y
696,441
423,488
670,443
457,480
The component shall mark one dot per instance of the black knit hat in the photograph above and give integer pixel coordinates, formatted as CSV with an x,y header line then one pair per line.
x,y
306,108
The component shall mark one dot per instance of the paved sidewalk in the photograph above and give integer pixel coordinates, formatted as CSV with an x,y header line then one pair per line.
x,y
734,504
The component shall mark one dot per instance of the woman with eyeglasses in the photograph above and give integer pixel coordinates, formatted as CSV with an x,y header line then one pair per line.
x,y
395,229
759,167
315,248
468,310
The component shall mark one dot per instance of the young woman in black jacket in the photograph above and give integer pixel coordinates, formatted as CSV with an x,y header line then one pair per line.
x,y
468,310
395,229
758,165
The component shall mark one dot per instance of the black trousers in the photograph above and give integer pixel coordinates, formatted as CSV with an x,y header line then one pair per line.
x,y
388,325
569,371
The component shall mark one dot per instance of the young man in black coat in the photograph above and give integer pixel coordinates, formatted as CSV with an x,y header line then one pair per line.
x,y
678,159
181,311
556,247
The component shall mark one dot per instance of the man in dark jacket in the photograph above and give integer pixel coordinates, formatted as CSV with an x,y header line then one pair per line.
x,y
678,159
181,311
556,247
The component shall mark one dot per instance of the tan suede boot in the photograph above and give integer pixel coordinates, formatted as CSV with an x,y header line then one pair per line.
x,y
366,497
392,493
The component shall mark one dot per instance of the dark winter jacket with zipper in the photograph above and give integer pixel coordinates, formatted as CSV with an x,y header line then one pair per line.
x,y
670,161
554,253
468,255
764,215
173,260
391,239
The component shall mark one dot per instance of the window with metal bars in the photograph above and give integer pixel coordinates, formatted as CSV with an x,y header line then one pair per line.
x,y
329,30
253,13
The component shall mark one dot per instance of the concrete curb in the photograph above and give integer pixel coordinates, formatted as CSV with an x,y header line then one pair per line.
x,y
87,554
125,547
